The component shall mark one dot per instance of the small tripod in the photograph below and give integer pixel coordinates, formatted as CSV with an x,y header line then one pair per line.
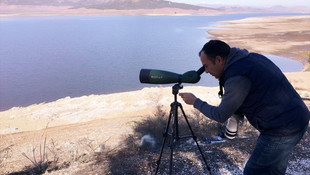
x,y
174,135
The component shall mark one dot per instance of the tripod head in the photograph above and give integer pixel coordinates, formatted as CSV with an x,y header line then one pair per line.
x,y
176,88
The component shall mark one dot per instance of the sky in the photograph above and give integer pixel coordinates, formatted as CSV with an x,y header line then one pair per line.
x,y
252,3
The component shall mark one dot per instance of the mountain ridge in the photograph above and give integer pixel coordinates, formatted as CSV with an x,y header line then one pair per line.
x,y
106,4
127,7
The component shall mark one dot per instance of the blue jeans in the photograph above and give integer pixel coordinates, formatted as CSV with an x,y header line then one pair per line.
x,y
270,155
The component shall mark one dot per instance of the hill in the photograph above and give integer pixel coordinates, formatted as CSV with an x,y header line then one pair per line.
x,y
52,2
105,4
143,4
127,7
98,7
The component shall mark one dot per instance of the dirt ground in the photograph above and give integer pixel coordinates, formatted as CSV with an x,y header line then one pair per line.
x,y
100,134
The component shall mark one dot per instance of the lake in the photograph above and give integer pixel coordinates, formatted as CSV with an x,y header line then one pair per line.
x,y
43,59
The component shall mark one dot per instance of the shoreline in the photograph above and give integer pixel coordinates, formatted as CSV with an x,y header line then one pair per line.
x,y
68,110
16,11
45,10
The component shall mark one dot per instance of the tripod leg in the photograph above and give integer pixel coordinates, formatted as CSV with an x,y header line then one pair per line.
x,y
171,159
176,120
175,133
194,137
164,142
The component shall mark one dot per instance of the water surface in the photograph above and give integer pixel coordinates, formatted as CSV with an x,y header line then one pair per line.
x,y
43,59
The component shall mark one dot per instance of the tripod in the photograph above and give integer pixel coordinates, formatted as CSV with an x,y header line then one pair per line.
x,y
174,135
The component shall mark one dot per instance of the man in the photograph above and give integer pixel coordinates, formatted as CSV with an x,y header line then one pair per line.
x,y
256,88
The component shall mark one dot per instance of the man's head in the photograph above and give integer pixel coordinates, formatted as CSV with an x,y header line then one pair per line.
x,y
213,57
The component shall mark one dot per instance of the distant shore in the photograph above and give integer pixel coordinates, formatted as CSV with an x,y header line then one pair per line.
x,y
286,36
25,10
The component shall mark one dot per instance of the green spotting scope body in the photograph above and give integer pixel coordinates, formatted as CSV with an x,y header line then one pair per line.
x,y
153,76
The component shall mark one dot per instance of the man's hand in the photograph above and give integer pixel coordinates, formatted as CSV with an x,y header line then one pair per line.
x,y
188,98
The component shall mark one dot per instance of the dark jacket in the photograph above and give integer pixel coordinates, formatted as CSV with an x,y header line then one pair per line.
x,y
262,94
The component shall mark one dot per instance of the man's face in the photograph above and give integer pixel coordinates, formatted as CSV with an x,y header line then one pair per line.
x,y
216,69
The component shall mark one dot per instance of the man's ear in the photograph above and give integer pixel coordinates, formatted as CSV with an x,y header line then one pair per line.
x,y
220,60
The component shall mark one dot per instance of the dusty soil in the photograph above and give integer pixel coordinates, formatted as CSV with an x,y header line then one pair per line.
x,y
100,134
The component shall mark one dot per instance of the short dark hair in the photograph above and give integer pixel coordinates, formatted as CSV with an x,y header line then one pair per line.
x,y
215,48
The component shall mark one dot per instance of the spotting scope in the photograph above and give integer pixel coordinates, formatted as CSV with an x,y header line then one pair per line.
x,y
153,76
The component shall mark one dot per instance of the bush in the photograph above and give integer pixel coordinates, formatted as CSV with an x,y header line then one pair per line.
x,y
39,167
155,126
39,160
5,154
133,159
